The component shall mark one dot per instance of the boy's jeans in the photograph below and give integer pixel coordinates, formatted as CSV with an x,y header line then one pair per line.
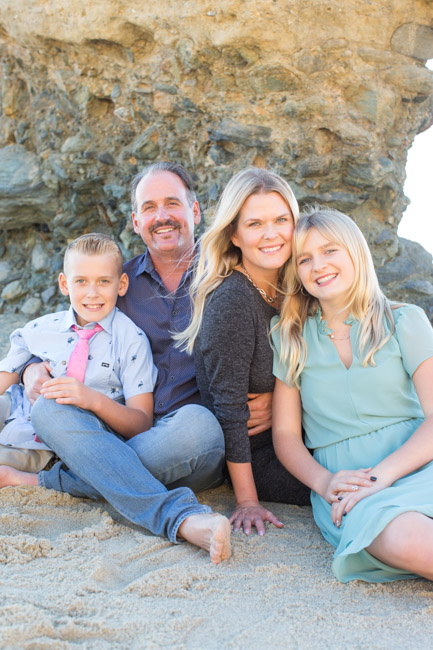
x,y
184,448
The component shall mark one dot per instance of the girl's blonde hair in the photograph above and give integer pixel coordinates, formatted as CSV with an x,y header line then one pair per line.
x,y
218,255
365,300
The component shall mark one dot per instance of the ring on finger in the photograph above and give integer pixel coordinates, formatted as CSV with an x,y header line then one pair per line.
x,y
354,488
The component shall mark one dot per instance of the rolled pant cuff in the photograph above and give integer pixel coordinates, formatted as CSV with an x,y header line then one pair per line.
x,y
45,484
196,510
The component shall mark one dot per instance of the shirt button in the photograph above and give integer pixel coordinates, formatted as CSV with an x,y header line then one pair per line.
x,y
63,363
174,312
161,404
172,378
29,418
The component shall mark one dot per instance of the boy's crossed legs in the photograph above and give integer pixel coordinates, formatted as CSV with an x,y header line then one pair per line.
x,y
100,464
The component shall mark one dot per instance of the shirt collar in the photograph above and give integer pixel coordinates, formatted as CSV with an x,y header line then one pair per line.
x,y
69,320
146,265
323,325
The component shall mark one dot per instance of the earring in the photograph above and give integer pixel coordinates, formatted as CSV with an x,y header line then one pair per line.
x,y
304,293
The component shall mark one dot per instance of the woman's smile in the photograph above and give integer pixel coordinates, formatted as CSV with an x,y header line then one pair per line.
x,y
264,233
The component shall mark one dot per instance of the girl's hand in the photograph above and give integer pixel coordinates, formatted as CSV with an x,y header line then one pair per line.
x,y
68,390
347,480
250,514
341,508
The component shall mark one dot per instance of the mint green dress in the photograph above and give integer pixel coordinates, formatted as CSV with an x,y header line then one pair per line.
x,y
356,417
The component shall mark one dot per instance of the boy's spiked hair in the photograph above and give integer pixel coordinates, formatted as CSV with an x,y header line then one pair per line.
x,y
95,243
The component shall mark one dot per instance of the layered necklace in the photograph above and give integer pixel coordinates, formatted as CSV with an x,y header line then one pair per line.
x,y
262,292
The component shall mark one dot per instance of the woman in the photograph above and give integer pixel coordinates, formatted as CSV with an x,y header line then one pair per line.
x,y
236,291
364,369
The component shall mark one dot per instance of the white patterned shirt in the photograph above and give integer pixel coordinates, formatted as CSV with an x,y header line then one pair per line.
x,y
120,363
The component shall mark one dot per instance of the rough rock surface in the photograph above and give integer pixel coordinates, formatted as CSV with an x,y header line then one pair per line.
x,y
329,94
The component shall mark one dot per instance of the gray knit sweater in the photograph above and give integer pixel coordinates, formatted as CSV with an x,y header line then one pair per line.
x,y
233,357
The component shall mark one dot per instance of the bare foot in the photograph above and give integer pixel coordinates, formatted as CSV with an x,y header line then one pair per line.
x,y
12,476
208,531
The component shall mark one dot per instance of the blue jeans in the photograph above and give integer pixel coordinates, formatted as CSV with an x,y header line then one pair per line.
x,y
184,450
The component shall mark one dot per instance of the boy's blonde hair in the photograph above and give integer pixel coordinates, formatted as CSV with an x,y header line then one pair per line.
x,y
218,255
365,300
95,243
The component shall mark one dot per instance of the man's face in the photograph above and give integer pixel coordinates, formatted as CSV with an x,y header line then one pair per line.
x,y
164,219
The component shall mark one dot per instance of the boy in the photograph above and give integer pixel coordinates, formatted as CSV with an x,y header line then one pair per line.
x,y
119,367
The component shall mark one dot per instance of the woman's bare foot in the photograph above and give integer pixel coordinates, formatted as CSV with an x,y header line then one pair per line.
x,y
208,531
11,476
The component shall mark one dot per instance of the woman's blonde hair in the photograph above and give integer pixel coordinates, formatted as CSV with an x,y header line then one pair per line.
x,y
365,300
218,255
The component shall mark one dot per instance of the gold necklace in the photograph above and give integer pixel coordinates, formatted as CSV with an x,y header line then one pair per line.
x,y
262,292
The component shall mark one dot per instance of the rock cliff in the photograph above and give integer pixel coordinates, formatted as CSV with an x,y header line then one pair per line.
x,y
329,94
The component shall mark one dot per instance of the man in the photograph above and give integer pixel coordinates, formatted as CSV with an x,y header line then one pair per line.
x,y
185,446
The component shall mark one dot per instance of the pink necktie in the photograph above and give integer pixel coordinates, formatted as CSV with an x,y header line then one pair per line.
x,y
78,359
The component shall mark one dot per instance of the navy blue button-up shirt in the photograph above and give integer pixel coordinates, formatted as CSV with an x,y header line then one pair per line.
x,y
159,313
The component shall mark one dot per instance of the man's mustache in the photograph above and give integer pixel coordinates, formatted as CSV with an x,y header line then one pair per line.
x,y
163,224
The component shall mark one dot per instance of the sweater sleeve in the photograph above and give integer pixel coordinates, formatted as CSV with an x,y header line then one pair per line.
x,y
227,342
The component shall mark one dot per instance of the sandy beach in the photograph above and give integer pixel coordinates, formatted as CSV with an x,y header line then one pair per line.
x,y
76,575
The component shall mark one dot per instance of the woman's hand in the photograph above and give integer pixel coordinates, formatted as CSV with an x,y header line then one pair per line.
x,y
347,480
251,513
348,500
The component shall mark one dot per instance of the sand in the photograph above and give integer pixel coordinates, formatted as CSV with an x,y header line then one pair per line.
x,y
75,575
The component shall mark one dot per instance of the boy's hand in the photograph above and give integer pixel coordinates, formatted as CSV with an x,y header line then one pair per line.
x,y
68,390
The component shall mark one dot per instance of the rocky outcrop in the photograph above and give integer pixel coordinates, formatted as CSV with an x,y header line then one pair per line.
x,y
329,94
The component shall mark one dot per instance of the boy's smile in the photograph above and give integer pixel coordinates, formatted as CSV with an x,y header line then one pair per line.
x,y
92,283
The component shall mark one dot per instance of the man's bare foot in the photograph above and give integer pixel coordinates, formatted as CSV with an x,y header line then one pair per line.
x,y
209,531
11,476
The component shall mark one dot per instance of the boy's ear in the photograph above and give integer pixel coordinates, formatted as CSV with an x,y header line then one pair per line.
x,y
63,284
123,285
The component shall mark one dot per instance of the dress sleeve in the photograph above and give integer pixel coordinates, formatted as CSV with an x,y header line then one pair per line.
x,y
415,336
227,340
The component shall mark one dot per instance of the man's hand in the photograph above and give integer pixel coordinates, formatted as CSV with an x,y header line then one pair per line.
x,y
260,405
68,390
34,376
